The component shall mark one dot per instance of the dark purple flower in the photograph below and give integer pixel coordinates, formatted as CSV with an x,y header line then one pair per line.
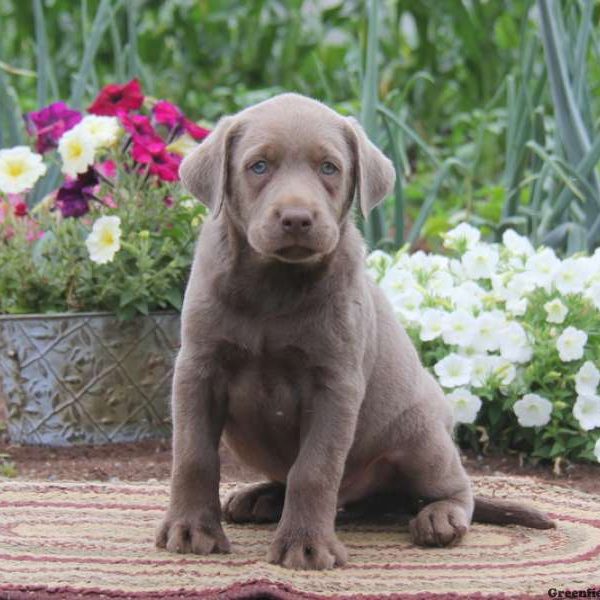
x,y
73,196
49,123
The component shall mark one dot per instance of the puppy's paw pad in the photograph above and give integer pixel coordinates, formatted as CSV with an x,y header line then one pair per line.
x,y
439,524
307,552
184,536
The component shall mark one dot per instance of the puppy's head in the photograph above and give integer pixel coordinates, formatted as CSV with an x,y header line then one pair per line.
x,y
286,171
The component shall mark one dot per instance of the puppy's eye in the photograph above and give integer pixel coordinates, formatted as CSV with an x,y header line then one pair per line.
x,y
328,168
259,167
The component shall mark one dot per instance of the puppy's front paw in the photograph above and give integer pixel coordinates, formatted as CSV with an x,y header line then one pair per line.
x,y
186,535
302,549
439,524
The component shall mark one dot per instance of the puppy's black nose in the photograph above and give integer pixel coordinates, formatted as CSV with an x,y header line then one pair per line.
x,y
296,220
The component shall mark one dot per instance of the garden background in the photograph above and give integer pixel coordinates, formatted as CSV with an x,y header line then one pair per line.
x,y
489,111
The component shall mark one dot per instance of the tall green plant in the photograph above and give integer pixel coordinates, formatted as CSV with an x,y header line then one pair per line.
x,y
552,185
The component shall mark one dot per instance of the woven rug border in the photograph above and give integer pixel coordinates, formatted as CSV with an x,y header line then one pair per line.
x,y
262,589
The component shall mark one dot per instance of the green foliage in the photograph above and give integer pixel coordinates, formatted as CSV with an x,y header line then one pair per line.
x,y
7,467
506,91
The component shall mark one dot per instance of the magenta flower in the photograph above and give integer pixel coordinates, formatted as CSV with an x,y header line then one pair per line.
x,y
152,151
172,117
49,123
73,196
136,124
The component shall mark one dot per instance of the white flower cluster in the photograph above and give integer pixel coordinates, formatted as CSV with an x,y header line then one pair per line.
x,y
78,146
477,304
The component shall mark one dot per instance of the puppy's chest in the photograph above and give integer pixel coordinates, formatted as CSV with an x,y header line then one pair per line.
x,y
269,386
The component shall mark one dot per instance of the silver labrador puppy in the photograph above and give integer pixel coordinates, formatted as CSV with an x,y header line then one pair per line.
x,y
291,351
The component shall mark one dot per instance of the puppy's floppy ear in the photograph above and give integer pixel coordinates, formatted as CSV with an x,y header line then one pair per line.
x,y
373,171
204,171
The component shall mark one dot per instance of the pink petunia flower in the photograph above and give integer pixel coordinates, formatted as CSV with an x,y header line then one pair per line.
x,y
115,98
33,233
172,117
153,152
107,169
136,124
49,123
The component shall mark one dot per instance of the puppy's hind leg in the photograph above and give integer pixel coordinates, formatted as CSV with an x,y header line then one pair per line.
x,y
430,463
258,503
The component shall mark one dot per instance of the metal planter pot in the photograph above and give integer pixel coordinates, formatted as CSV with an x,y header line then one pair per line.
x,y
87,378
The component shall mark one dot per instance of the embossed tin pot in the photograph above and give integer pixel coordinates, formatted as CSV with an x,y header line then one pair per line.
x,y
87,378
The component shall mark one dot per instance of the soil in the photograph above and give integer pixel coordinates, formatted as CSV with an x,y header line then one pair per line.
x,y
148,460
152,460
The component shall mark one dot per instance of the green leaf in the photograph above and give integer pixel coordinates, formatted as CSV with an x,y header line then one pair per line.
x,y
175,298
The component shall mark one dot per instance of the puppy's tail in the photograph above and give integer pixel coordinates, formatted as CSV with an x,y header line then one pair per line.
x,y
504,512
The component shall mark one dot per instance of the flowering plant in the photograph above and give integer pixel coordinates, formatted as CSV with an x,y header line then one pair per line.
x,y
512,335
118,204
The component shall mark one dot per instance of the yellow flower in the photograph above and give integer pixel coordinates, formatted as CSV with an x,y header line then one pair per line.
x,y
105,239
183,145
20,168
77,149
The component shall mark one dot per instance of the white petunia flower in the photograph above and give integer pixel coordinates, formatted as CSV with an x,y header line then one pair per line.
x,y
455,268
533,410
514,344
442,263
587,411
570,344
480,262
20,168
77,149
465,405
587,379
467,296
481,370
517,307
569,278
453,370
407,304
419,261
556,311
518,286
541,268
458,328
440,283
464,236
597,450
503,369
487,329
593,294
378,263
104,131
432,324
105,239
517,244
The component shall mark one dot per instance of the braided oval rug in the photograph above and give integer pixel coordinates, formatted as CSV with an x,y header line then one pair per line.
x,y
95,540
